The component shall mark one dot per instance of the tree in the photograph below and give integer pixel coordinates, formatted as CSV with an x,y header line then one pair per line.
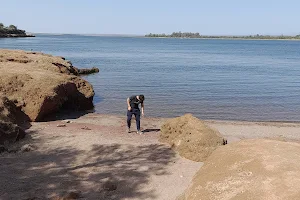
x,y
12,27
1,26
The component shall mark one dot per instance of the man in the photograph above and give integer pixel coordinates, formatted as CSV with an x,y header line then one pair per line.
x,y
133,109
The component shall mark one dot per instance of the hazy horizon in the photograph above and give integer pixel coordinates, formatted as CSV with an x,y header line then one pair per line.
x,y
138,35
230,17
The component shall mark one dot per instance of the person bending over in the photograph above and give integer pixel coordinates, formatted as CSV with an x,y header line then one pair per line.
x,y
133,109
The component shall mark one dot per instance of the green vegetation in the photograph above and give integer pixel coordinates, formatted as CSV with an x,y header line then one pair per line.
x,y
197,35
176,35
12,31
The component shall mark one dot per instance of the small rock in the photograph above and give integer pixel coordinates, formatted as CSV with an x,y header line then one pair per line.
x,y
86,128
109,186
28,147
61,125
72,195
66,121
143,168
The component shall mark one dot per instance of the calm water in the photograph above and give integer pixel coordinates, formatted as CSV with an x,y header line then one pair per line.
x,y
213,79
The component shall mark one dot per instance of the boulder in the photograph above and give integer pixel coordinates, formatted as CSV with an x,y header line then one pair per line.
x,y
41,84
88,71
11,121
10,133
191,137
9,112
249,169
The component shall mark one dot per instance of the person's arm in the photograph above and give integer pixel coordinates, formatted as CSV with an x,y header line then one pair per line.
x,y
142,105
128,104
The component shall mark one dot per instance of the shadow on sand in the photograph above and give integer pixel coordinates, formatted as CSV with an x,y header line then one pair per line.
x,y
151,130
44,174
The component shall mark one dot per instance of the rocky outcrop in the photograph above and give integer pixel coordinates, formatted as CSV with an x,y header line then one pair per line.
x,y
191,137
12,122
249,169
41,84
88,71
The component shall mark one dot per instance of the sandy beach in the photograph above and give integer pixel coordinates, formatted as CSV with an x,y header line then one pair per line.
x,y
94,157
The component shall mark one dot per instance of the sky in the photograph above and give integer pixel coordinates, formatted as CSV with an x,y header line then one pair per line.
x,y
140,17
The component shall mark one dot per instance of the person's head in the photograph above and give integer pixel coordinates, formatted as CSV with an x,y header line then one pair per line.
x,y
142,98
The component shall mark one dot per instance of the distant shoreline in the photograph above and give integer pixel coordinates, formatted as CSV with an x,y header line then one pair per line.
x,y
224,38
143,36
15,35
240,37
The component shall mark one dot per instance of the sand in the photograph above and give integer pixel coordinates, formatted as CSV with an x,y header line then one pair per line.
x,y
95,157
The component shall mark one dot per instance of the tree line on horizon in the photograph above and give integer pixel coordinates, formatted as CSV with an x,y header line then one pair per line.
x,y
197,35
11,29
176,35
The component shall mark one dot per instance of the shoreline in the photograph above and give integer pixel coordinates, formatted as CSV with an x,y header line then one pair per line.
x,y
211,120
225,38
234,129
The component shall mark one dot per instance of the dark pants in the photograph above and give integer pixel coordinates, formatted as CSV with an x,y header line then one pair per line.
x,y
137,114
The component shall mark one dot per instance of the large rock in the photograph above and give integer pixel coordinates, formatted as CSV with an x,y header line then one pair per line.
x,y
11,120
191,137
10,113
249,169
10,133
42,84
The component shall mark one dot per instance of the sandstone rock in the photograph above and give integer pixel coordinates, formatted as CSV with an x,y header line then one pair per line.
x,y
249,169
191,137
10,119
10,113
42,84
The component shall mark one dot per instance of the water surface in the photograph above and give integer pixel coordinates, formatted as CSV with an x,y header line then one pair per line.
x,y
253,80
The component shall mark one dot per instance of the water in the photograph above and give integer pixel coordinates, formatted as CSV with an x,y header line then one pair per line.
x,y
213,79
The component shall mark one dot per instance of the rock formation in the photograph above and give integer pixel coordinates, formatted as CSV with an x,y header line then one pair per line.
x,y
12,122
249,169
41,84
191,137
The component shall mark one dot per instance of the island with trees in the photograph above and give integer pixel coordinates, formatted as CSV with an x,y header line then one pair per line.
x,y
12,31
197,35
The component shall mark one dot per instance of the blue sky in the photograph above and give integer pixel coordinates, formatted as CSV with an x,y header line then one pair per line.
x,y
210,17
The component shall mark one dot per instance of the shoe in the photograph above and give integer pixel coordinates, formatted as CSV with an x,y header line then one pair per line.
x,y
139,132
128,130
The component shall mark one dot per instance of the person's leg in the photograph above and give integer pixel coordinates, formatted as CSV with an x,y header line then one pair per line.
x,y
129,116
137,115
